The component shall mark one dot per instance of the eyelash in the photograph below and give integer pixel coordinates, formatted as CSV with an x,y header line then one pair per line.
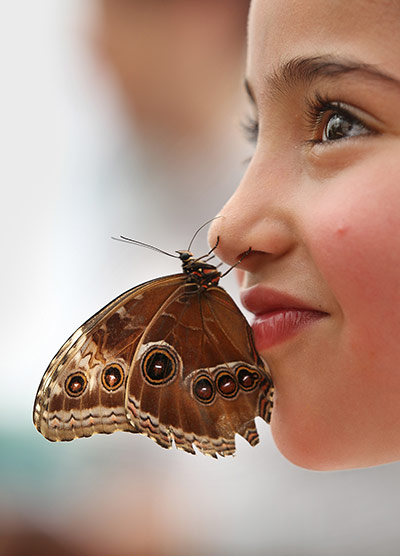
x,y
250,129
317,108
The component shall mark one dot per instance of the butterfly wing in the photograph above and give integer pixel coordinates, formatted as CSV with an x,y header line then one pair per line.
x,y
83,389
196,377
166,359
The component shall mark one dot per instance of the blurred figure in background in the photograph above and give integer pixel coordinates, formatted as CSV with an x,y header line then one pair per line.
x,y
160,172
176,69
179,66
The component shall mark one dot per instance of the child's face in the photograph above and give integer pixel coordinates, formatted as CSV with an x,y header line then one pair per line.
x,y
320,207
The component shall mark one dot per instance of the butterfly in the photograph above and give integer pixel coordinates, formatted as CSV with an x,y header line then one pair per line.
x,y
173,359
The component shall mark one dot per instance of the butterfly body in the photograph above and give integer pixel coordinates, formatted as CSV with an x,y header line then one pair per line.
x,y
172,359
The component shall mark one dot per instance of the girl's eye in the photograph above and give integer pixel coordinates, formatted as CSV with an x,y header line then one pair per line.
x,y
340,125
327,121
250,128
333,121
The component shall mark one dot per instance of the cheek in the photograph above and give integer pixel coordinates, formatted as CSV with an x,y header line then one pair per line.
x,y
341,409
353,236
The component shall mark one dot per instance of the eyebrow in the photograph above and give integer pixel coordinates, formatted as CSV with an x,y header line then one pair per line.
x,y
304,70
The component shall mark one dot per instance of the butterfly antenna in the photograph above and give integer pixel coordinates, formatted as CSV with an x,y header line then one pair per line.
x,y
237,262
201,227
141,244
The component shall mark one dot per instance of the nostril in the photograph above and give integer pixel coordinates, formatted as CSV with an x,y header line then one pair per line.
x,y
250,259
238,262
244,255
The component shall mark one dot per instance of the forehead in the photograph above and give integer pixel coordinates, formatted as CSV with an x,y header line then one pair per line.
x,y
367,30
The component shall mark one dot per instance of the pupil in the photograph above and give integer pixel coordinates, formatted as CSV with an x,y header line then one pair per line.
x,y
227,385
159,366
76,385
112,376
338,127
204,389
246,378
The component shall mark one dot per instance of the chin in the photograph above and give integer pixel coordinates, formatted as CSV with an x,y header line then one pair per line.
x,y
319,427
297,447
311,445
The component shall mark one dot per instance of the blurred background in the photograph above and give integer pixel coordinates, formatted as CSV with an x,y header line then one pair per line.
x,y
123,117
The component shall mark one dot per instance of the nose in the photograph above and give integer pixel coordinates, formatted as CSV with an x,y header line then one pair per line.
x,y
257,216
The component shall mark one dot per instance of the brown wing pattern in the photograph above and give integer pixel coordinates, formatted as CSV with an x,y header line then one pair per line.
x,y
196,378
166,359
83,389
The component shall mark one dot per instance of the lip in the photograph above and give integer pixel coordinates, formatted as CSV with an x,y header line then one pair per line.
x,y
278,315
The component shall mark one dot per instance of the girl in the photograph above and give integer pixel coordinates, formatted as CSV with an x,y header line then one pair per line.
x,y
320,207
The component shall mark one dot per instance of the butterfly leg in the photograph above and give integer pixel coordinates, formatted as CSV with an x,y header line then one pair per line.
x,y
203,257
245,254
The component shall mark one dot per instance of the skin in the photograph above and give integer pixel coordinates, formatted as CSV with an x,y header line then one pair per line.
x,y
165,55
323,221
